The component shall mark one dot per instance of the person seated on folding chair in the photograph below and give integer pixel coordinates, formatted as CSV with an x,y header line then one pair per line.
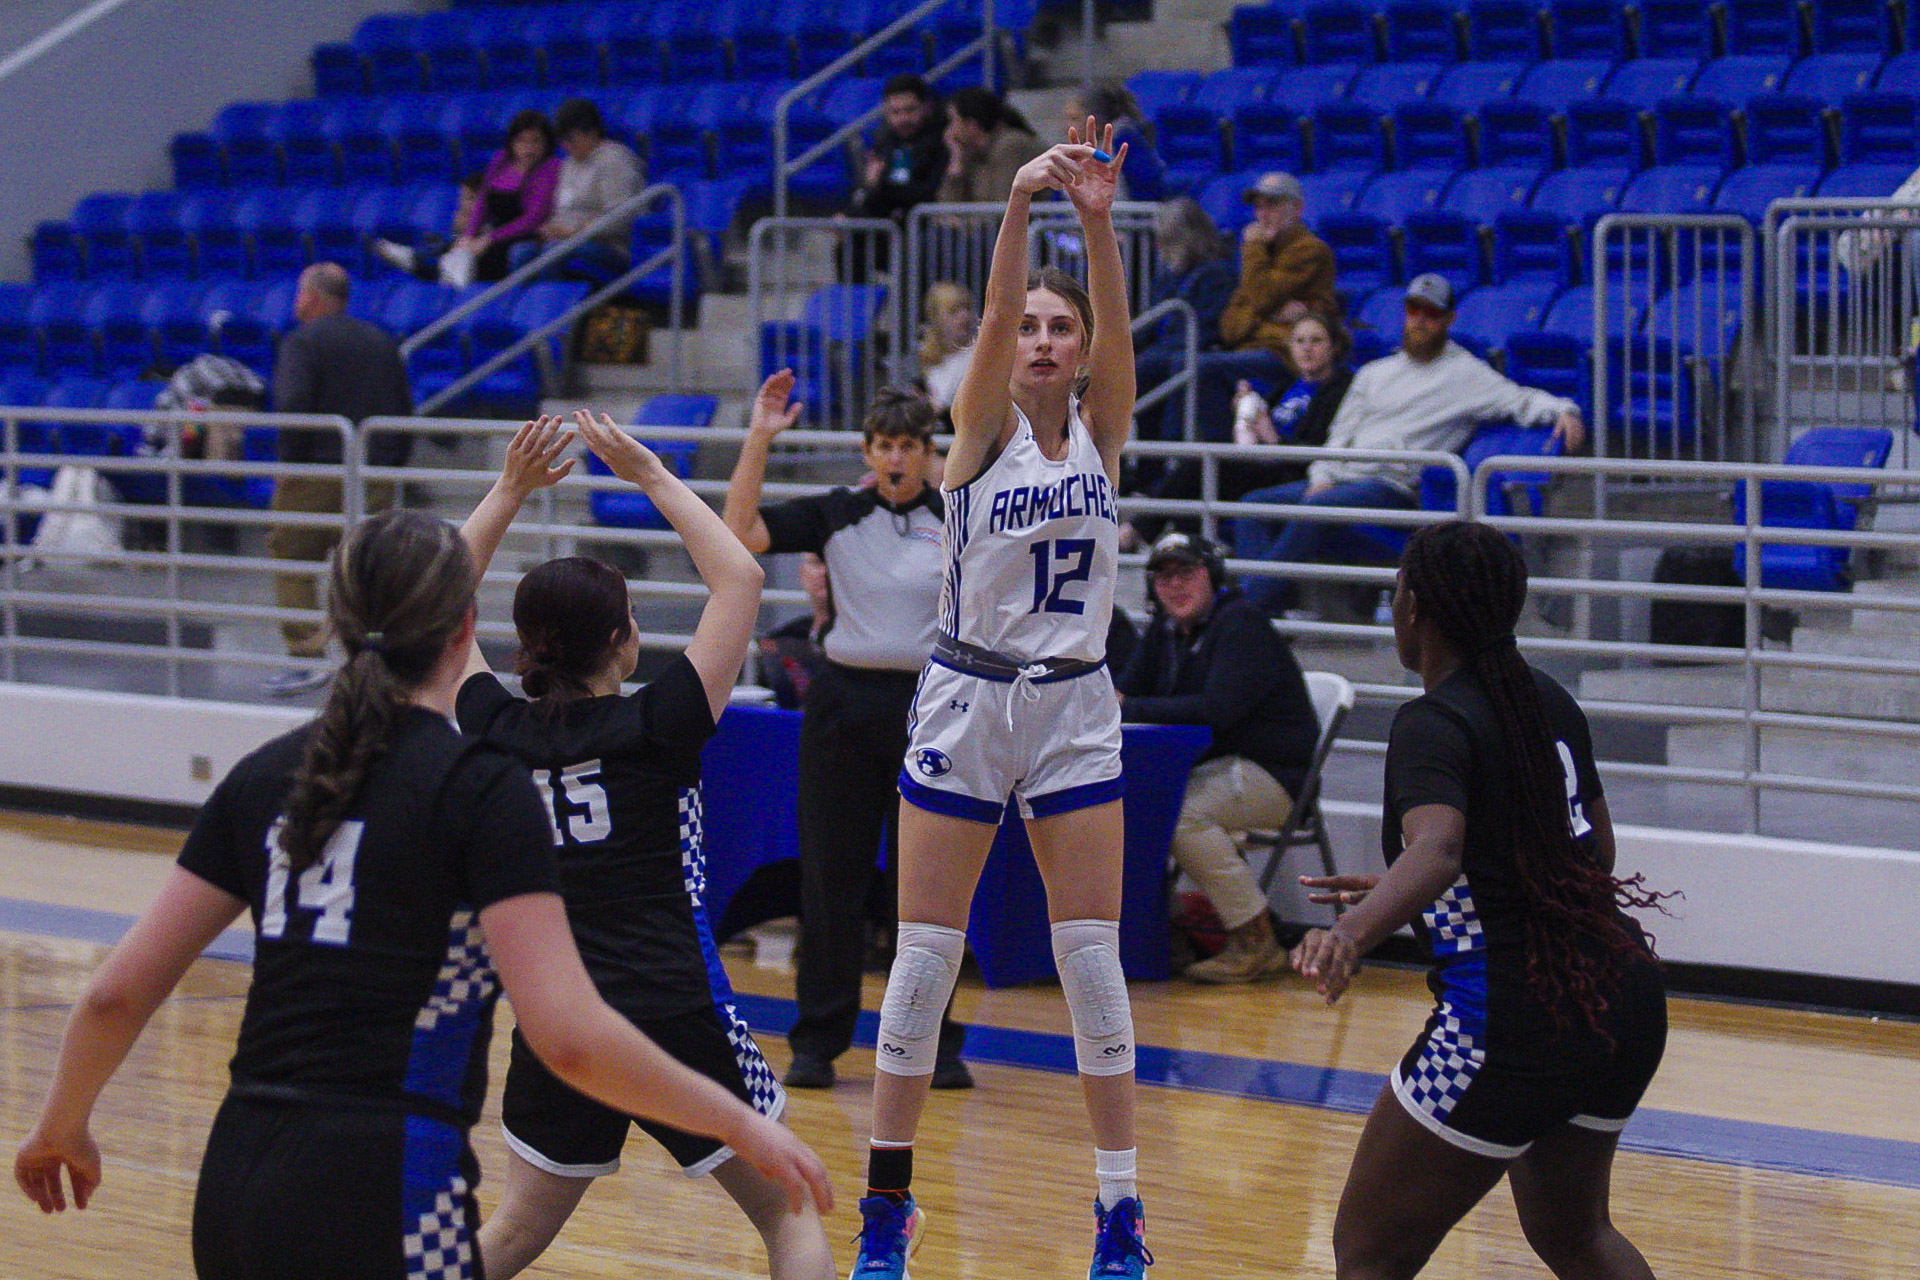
x,y
1210,658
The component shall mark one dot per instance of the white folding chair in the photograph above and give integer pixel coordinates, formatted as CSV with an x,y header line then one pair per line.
x,y
1305,825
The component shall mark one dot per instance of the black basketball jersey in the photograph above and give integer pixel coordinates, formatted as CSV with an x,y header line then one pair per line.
x,y
1447,748
372,979
621,779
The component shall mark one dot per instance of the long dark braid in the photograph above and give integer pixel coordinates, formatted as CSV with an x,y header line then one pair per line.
x,y
400,587
1472,582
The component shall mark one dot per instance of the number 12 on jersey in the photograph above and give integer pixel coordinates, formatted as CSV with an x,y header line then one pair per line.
x,y
1049,554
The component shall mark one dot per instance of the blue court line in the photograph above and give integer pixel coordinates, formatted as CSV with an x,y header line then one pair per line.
x,y
1745,1143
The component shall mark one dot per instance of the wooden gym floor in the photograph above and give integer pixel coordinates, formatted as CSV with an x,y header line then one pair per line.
x,y
1775,1144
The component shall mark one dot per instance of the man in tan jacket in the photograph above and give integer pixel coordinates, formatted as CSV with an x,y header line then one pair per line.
x,y
1285,272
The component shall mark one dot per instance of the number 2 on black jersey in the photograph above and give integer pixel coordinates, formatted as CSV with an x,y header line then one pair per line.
x,y
325,887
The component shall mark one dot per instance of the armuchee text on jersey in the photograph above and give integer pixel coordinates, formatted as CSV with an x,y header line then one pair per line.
x,y
1085,493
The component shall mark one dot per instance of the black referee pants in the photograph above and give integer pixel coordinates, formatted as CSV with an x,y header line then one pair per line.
x,y
853,736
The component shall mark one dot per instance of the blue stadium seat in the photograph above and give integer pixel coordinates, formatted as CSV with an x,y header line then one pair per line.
x,y
1266,136
57,313
1223,199
1224,90
385,42
445,45
1673,188
1515,132
1328,192
1395,196
1303,88
241,130
173,312
1899,74
1651,391
1555,83
1533,246
198,160
570,55
1504,488
1795,504
1785,128
19,340
626,508
1703,319
1853,26
353,126
677,151
1337,31
816,45
1422,31
99,224
696,57
1646,81
122,337
1383,312
1604,132
1586,29
1348,135
1741,76
421,152
1497,312
165,247
265,215
324,215
1833,76
1503,29
1880,128
1694,130
1842,447
1749,191
1485,194
1572,313
1864,180
1156,89
1763,26
1556,363
219,247
1261,35
306,154
1363,246
337,69
1465,85
1676,28
1444,242
631,54
1387,85
1427,135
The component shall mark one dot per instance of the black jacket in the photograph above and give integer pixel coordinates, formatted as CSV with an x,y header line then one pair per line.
x,y
921,158
1235,675
341,364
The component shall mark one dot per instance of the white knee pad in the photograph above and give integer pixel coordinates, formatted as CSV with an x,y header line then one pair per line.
x,y
926,962
1087,953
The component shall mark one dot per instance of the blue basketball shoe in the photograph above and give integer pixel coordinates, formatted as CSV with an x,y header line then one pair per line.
x,y
889,1233
1120,1241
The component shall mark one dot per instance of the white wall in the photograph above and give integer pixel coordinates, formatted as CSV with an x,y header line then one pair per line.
x,y
96,112
1751,902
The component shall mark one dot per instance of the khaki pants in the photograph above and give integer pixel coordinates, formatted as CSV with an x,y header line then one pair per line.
x,y
1224,795
310,495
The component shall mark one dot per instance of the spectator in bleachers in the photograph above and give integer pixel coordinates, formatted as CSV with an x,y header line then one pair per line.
x,y
1285,272
1427,396
987,143
1196,266
429,261
908,158
332,363
946,341
1209,658
1146,175
516,195
597,175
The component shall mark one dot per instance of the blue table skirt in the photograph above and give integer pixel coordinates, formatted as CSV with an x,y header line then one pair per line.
x,y
750,770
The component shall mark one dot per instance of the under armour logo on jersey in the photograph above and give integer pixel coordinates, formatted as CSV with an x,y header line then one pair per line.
x,y
958,705
932,762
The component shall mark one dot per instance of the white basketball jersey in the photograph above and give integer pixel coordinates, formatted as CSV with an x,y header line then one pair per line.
x,y
1033,548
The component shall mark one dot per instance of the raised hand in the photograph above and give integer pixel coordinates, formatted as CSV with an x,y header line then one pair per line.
x,y
772,413
42,1157
624,456
1058,168
533,456
1099,183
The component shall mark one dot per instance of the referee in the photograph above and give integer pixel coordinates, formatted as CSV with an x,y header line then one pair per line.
x,y
884,553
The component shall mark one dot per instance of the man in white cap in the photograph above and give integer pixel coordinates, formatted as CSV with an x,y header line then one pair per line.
x,y
1428,396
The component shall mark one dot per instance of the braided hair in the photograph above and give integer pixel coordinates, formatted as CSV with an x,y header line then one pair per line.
x,y
1471,582
400,587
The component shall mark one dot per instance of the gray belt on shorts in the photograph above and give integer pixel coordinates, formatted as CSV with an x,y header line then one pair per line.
x,y
988,665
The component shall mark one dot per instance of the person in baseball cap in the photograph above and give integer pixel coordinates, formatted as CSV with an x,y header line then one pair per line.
x,y
1274,186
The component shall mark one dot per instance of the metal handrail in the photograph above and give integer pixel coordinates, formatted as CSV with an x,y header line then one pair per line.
x,y
1186,379
783,168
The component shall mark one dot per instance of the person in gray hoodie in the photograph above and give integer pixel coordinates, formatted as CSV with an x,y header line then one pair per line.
x,y
1426,397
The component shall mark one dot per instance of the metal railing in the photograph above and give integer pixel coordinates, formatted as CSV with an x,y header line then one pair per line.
x,y
1845,307
1674,336
1184,380
1832,715
784,168
837,337
536,340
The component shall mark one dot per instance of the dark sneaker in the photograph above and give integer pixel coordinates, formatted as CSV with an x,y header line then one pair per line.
x,y
951,1074
808,1072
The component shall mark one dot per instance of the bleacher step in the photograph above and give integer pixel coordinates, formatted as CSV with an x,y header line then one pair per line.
x,y
1843,695
1887,621
1815,753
